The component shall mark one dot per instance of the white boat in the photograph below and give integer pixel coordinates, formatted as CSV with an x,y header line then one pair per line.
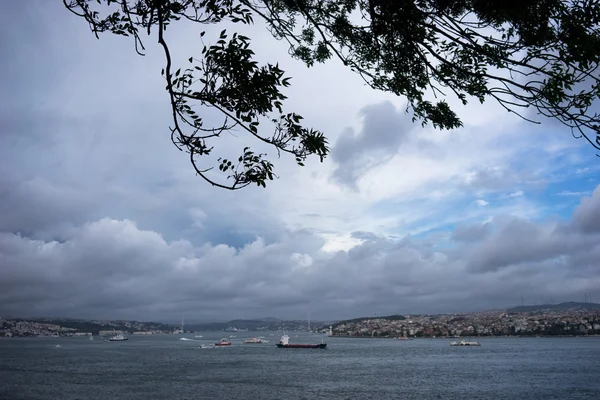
x,y
465,343
91,338
254,341
118,338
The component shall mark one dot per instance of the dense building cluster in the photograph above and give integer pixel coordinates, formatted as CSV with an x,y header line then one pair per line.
x,y
500,323
29,328
19,327
576,320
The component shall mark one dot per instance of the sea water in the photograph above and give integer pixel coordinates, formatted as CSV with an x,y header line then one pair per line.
x,y
162,366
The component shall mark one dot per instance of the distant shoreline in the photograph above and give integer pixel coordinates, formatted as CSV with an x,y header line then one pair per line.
x,y
463,337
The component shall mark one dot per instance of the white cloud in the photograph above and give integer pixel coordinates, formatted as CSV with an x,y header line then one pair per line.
x,y
570,193
114,267
77,170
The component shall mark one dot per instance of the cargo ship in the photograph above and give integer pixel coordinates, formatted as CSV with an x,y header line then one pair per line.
x,y
284,343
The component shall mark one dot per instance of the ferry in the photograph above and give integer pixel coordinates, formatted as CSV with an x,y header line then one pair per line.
x,y
465,343
253,341
118,338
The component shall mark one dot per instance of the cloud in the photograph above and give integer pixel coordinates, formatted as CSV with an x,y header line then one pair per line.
x,y
111,267
587,216
471,233
569,193
515,241
102,217
384,128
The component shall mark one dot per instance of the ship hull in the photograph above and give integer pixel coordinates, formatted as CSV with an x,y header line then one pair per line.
x,y
302,346
222,344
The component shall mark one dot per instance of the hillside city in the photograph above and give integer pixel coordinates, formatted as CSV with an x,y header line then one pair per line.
x,y
499,323
564,319
23,327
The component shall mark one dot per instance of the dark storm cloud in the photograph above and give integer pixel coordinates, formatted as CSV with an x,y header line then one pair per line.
x,y
383,130
516,241
74,148
113,267
37,188
35,206
471,233
587,216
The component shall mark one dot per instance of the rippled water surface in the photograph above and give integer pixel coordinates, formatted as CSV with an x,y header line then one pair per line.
x,y
166,367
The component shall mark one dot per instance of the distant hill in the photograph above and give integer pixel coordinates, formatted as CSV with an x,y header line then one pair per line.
x,y
387,317
560,306
252,325
94,326
269,319
253,321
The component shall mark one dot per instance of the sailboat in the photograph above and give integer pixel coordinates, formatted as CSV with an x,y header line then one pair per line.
x,y
181,330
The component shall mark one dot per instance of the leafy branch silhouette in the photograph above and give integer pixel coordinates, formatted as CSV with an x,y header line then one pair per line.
x,y
531,55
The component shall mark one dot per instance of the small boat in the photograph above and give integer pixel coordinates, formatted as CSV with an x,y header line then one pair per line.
x,y
118,338
91,338
58,345
223,342
284,343
465,343
254,341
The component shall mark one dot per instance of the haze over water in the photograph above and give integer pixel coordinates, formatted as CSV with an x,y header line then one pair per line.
x,y
165,367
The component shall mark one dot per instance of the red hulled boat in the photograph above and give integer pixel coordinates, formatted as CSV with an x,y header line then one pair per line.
x,y
223,342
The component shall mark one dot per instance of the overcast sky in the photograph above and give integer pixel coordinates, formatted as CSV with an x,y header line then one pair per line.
x,y
102,217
